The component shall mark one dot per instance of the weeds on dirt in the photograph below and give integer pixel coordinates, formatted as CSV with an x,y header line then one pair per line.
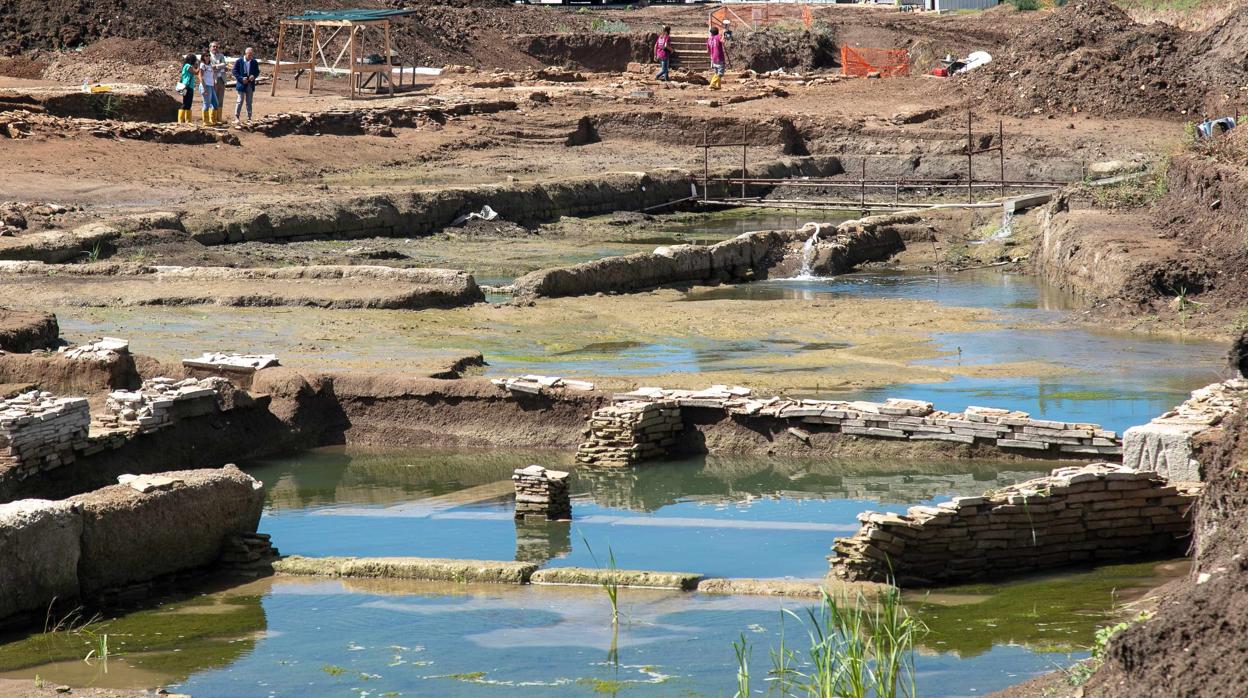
x,y
608,26
93,255
1137,192
858,648
1025,5
1079,674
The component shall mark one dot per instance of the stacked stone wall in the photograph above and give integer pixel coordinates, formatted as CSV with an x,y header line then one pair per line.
x,y
39,432
163,401
901,419
542,493
1168,443
1077,515
630,432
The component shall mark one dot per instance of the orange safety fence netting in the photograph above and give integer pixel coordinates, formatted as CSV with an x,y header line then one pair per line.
x,y
858,62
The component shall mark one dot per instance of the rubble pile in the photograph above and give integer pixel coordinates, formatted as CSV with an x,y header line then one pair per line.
x,y
534,384
1167,444
41,432
102,349
630,432
1075,515
161,402
541,493
901,419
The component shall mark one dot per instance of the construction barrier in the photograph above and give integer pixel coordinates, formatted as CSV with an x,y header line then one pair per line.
x,y
750,17
858,62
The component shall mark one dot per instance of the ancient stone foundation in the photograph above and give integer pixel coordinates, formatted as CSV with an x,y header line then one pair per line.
x,y
630,432
541,493
900,419
40,432
162,401
115,543
1167,444
1093,513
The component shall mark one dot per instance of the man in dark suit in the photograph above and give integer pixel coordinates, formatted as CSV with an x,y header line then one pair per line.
x,y
246,72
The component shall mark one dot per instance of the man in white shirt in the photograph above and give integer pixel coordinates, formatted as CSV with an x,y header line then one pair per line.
x,y
219,69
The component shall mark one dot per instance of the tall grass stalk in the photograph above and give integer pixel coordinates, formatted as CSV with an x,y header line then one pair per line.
x,y
611,584
741,648
859,648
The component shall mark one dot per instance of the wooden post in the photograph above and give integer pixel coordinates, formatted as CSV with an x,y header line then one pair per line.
x,y
863,194
352,76
1001,146
706,165
312,58
745,140
299,53
277,64
390,62
970,153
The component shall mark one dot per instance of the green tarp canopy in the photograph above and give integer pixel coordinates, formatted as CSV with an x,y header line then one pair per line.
x,y
358,15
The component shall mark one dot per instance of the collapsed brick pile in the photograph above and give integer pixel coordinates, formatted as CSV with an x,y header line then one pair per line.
x,y
901,419
161,402
40,432
1167,443
541,493
102,349
536,385
1075,515
630,432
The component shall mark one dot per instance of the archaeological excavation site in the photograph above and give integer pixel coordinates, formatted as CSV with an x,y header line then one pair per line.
x,y
828,349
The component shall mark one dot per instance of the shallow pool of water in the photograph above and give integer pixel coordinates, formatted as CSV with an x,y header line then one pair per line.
x,y
692,515
308,637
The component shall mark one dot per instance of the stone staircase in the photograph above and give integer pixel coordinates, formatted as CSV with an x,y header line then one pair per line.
x,y
689,53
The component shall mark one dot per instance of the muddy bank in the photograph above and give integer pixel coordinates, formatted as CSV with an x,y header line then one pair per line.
x,y
339,287
1107,256
123,102
63,375
23,331
422,212
1202,621
118,536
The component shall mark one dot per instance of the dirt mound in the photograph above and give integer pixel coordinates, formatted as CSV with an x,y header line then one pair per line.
x,y
1186,649
1089,56
118,33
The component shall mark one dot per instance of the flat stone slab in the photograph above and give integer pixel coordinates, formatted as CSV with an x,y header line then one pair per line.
x,y
802,588
422,568
586,576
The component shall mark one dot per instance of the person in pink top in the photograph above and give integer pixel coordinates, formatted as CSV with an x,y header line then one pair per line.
x,y
663,53
719,57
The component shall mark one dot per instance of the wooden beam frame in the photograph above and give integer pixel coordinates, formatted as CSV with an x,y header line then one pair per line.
x,y
352,51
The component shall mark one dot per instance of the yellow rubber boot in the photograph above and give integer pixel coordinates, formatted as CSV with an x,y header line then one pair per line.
x,y
207,117
180,116
714,82
212,117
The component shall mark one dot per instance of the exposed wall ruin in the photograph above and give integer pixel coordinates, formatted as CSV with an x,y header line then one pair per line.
x,y
1076,515
120,539
627,433
1169,444
893,419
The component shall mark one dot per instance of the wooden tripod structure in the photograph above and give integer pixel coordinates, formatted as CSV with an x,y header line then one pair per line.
x,y
342,29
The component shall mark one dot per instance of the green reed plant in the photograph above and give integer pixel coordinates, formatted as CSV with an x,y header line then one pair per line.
x,y
858,648
610,584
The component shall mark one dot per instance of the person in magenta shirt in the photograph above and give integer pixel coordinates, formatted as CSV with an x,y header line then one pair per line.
x,y
663,53
719,57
